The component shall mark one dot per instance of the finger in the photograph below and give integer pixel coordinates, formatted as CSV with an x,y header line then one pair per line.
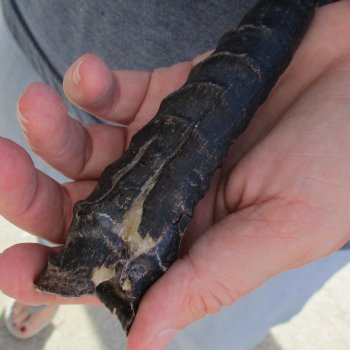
x,y
233,258
114,96
131,97
324,44
163,82
20,265
31,199
78,151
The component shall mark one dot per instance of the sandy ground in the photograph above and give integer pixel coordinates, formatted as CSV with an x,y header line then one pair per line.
x,y
323,324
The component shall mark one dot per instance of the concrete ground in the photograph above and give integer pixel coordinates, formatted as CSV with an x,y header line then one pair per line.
x,y
323,324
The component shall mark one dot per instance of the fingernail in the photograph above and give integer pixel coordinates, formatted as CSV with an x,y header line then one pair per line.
x,y
76,73
163,339
23,121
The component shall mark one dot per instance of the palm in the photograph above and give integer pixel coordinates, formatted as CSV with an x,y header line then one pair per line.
x,y
282,195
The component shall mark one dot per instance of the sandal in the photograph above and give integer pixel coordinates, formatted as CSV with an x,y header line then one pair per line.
x,y
8,320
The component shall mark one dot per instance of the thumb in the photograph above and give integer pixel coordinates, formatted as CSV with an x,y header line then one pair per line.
x,y
232,258
163,310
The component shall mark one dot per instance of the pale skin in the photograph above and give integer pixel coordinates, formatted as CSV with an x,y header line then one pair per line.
x,y
27,322
280,201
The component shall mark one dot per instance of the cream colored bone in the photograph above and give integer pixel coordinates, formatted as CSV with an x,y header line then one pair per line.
x,y
102,274
129,230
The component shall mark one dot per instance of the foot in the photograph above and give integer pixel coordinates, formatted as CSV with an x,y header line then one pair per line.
x,y
25,321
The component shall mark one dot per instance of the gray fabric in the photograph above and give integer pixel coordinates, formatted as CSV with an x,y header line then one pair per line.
x,y
133,34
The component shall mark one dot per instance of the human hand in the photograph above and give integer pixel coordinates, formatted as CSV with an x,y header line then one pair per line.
x,y
260,213
36,203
